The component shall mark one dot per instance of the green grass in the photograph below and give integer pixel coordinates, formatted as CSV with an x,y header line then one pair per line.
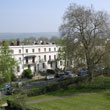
x,y
3,100
88,102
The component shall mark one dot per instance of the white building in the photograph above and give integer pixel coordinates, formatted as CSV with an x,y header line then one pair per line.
x,y
36,57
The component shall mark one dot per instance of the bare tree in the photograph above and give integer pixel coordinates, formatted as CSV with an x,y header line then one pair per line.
x,y
87,25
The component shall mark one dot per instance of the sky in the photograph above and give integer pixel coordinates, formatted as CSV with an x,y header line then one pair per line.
x,y
28,16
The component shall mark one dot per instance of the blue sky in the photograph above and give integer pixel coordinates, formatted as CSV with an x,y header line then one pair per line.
x,y
39,15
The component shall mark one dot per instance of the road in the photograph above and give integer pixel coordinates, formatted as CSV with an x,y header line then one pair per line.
x,y
32,85
39,84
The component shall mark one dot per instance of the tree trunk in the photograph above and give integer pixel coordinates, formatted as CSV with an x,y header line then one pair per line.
x,y
90,74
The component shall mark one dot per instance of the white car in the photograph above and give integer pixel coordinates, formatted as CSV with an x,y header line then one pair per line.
x,y
50,77
73,75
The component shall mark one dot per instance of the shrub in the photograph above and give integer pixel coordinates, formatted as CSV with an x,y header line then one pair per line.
x,y
50,88
106,71
50,71
56,75
27,74
33,92
18,103
13,77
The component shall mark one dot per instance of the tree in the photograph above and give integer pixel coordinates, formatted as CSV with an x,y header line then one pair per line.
x,y
105,62
43,39
8,64
18,102
27,74
86,25
54,39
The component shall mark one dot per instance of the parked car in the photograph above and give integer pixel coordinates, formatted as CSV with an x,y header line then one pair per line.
x,y
82,72
10,91
8,86
64,77
50,71
49,77
73,75
68,72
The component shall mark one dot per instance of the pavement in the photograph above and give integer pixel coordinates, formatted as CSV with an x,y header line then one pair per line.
x,y
36,77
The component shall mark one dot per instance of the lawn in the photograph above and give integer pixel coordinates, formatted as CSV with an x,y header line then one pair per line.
x,y
87,102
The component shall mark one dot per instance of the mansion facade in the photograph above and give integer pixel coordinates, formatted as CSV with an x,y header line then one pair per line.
x,y
38,57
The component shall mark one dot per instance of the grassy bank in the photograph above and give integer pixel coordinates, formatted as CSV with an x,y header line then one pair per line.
x,y
99,84
88,102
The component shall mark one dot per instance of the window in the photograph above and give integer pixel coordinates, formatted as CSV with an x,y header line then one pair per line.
x,y
26,50
26,60
39,58
18,69
19,50
12,51
49,49
54,49
54,57
20,59
33,50
51,64
44,49
61,63
29,67
43,65
38,49
59,49
49,58
44,57
34,68
33,59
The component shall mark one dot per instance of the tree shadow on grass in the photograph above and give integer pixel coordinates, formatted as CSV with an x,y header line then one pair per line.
x,y
107,96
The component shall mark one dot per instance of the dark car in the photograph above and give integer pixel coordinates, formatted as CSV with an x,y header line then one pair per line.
x,y
82,73
68,72
64,77
10,91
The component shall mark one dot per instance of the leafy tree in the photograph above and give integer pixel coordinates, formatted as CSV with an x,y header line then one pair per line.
x,y
66,51
43,39
18,102
105,62
7,63
27,74
86,25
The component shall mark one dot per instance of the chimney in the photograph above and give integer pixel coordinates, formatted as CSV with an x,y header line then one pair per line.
x,y
18,42
12,44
